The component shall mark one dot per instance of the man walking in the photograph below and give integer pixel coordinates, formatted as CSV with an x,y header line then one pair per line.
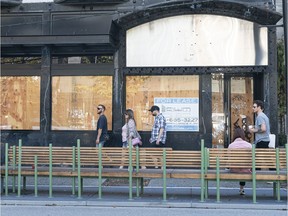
x,y
101,126
262,126
158,133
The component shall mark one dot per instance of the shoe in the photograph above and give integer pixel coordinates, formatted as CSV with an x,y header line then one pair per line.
x,y
242,192
143,167
121,167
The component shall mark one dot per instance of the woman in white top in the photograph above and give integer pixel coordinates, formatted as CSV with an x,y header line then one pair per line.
x,y
129,131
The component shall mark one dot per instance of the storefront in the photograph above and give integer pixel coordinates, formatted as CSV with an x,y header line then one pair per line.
x,y
202,62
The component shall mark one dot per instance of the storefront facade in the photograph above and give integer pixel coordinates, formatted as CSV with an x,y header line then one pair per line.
x,y
202,62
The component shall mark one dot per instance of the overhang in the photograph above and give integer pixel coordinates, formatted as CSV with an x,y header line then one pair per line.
x,y
10,3
242,10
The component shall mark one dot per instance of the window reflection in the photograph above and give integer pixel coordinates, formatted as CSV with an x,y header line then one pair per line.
x,y
74,101
20,102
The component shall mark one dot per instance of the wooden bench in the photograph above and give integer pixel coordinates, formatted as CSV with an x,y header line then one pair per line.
x,y
78,162
272,162
81,162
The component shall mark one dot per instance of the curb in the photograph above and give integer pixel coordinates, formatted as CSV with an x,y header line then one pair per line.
x,y
155,204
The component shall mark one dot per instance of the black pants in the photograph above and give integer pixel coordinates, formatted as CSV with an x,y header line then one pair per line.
x,y
242,184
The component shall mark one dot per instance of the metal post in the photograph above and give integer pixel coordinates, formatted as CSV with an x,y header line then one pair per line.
x,y
206,161
14,167
164,176
130,168
254,173
6,169
137,170
277,172
218,179
19,167
36,175
202,171
50,170
73,169
100,171
79,169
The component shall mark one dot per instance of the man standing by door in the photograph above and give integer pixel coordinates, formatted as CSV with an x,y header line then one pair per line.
x,y
158,133
101,126
262,126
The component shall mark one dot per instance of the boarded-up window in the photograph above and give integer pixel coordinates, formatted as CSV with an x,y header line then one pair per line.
x,y
20,102
141,92
75,98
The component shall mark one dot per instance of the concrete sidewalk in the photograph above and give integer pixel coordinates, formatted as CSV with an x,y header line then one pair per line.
x,y
181,193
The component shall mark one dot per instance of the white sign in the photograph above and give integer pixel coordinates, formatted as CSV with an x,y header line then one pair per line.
x,y
182,114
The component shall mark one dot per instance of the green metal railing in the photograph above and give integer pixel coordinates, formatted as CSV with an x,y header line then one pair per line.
x,y
202,171
6,169
164,176
204,168
19,168
50,171
130,169
100,171
36,175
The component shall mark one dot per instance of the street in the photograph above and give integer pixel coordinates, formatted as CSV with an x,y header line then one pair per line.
x,y
125,211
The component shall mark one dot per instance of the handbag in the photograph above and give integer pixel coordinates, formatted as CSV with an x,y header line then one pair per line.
x,y
136,141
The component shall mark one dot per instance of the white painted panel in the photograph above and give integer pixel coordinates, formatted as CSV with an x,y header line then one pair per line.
x,y
197,40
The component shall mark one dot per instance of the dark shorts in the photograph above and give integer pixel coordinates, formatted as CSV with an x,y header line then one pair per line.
x,y
161,145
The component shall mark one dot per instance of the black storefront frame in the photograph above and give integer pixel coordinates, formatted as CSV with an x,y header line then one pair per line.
x,y
265,74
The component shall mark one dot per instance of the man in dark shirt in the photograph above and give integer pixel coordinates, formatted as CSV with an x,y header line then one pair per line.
x,y
101,126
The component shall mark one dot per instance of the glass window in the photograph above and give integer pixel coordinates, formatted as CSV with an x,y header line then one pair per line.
x,y
177,97
75,98
83,60
218,116
20,102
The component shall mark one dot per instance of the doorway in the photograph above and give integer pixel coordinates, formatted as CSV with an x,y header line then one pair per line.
x,y
232,100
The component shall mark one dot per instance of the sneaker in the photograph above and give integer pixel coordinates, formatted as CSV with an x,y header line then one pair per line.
x,y
143,167
241,192
121,167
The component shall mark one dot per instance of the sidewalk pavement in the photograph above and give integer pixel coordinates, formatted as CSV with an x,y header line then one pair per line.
x,y
181,193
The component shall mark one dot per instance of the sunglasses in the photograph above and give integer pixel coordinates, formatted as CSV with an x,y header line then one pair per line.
x,y
254,106
99,108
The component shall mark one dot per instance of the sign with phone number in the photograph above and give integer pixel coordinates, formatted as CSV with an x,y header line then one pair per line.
x,y
182,114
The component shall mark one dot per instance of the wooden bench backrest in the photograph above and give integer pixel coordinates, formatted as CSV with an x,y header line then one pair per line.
x,y
266,158
89,156
111,156
152,157
242,158
120,156
231,158
183,159
60,155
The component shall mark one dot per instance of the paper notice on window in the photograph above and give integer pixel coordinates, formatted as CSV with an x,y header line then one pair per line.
x,y
182,114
